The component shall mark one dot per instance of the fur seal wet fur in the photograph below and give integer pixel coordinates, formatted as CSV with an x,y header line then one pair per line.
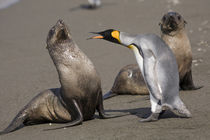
x,y
80,94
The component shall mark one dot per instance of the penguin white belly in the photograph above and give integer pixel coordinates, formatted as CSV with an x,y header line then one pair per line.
x,y
139,60
155,107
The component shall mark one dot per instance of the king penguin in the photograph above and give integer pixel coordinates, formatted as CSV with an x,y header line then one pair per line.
x,y
93,4
158,66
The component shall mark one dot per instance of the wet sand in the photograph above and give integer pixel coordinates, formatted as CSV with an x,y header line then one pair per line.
x,y
26,67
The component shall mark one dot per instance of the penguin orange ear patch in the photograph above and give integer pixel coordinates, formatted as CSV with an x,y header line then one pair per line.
x,y
116,34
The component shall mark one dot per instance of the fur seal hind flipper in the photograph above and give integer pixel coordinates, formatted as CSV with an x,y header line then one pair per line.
x,y
17,122
78,117
108,95
187,82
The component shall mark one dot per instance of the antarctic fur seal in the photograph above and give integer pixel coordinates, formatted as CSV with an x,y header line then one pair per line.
x,y
159,69
128,81
80,93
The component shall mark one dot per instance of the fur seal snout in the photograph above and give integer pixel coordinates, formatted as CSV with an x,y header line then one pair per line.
x,y
172,21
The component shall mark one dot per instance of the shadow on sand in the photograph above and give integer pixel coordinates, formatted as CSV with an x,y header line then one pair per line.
x,y
144,113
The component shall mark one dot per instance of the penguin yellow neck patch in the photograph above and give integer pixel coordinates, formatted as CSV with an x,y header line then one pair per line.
x,y
131,47
116,34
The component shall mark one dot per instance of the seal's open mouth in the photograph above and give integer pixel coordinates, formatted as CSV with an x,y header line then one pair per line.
x,y
62,35
59,33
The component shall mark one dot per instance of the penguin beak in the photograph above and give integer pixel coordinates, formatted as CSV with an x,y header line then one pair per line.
x,y
109,35
97,36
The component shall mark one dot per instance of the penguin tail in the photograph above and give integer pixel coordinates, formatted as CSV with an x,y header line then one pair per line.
x,y
182,109
17,123
108,95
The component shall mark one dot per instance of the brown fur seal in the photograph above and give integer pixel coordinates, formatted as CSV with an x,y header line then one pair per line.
x,y
174,34
80,93
130,81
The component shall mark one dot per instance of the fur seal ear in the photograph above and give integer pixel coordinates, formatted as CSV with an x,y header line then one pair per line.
x,y
185,22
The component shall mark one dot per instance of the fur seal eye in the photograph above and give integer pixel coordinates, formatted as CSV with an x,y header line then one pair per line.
x,y
179,17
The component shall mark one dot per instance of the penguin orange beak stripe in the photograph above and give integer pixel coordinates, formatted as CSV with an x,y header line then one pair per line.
x,y
97,37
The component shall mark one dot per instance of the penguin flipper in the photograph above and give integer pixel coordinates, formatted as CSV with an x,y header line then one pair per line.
x,y
151,73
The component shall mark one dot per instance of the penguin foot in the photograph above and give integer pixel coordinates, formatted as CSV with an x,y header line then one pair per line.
x,y
151,118
184,113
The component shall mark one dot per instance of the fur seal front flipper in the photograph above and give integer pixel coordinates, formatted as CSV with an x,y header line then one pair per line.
x,y
187,82
100,109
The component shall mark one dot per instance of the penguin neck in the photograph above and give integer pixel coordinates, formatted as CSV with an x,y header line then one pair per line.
x,y
126,39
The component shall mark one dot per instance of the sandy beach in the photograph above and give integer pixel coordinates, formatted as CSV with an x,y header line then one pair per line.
x,y
27,69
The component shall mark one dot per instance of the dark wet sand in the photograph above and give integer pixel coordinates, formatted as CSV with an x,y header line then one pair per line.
x,y
26,68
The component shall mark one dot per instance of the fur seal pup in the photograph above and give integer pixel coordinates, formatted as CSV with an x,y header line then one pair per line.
x,y
174,34
80,93
158,66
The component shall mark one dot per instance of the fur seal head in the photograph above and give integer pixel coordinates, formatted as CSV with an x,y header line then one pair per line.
x,y
171,23
58,34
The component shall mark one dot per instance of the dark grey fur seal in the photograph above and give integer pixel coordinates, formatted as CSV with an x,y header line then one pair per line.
x,y
80,94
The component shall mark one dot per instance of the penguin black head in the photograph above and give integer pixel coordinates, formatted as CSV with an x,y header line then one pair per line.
x,y
109,35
